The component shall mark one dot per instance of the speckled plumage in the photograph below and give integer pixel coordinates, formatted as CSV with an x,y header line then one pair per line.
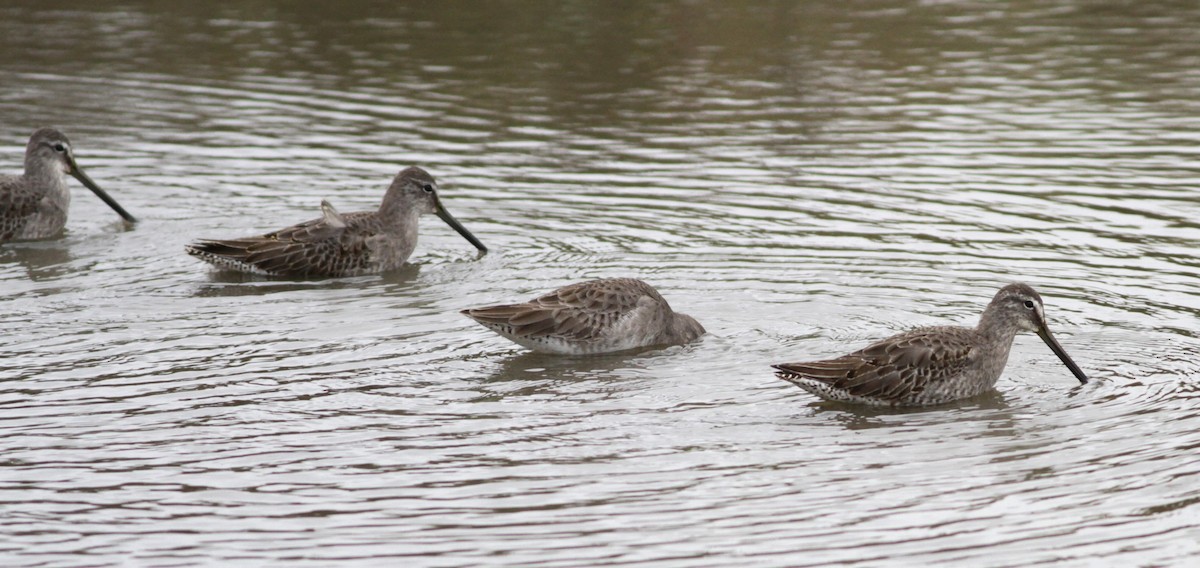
x,y
34,205
931,365
336,244
598,316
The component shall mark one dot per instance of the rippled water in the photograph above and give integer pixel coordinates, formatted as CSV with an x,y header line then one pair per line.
x,y
801,177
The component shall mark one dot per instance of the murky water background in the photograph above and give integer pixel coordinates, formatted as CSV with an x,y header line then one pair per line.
x,y
801,177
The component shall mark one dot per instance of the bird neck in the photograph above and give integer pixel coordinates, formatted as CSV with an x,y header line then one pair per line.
x,y
398,211
48,179
402,223
997,328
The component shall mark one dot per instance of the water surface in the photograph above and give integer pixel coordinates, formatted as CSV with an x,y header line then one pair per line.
x,y
801,177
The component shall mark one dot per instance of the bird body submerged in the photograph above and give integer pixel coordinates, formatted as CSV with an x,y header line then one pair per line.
x,y
358,243
336,244
931,365
598,316
34,205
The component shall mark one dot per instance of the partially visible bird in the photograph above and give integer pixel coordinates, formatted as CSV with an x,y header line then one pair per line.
x,y
34,205
598,316
340,244
931,365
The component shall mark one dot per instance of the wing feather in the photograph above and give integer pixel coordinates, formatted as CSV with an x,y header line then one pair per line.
x,y
317,247
17,207
897,367
578,312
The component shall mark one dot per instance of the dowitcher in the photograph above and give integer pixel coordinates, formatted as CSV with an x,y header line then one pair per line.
x,y
598,316
931,365
34,205
340,244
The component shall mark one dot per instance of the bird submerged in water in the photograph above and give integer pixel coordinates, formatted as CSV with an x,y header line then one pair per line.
x,y
931,365
598,316
34,205
340,244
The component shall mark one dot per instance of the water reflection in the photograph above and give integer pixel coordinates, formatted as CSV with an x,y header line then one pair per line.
x,y
230,283
989,406
41,260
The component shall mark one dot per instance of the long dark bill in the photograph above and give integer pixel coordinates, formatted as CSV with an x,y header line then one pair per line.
x,y
1044,333
454,224
87,181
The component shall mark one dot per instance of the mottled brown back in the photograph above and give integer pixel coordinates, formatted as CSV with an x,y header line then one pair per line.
x,y
17,205
579,312
895,368
312,248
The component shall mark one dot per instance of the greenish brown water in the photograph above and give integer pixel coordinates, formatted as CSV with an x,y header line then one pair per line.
x,y
801,177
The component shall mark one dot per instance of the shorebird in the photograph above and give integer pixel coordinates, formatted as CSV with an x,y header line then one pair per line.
x,y
34,205
598,316
931,365
340,244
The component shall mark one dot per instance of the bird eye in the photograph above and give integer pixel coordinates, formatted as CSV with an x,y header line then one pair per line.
x,y
59,147
428,188
1029,304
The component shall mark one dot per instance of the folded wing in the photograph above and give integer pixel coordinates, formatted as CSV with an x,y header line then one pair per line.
x,y
333,244
579,312
894,368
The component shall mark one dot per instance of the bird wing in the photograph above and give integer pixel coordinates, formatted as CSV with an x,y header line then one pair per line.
x,y
332,244
899,366
16,208
577,312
